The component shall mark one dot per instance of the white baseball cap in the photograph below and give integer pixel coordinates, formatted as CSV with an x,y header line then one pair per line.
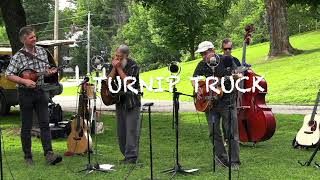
x,y
204,46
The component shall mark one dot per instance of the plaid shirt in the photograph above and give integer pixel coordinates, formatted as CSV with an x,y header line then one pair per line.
x,y
20,62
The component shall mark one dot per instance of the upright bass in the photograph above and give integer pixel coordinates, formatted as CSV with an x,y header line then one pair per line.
x,y
256,120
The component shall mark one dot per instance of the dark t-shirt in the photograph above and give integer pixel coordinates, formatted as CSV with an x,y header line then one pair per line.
x,y
221,70
236,61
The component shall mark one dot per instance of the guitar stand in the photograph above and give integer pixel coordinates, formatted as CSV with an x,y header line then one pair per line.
x,y
177,167
307,163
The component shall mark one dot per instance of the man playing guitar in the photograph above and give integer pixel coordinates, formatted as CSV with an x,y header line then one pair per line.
x,y
220,108
31,94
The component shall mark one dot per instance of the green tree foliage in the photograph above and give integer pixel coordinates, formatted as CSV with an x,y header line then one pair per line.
x,y
38,11
301,15
314,6
181,24
145,45
240,14
3,33
107,16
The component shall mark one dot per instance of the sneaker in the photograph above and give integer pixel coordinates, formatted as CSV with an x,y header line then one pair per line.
x,y
235,166
132,161
222,162
52,158
122,161
128,161
29,161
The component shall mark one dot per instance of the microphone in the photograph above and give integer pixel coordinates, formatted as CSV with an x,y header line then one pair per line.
x,y
227,62
85,80
213,61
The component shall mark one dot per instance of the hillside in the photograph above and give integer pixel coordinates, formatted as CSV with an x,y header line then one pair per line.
x,y
291,80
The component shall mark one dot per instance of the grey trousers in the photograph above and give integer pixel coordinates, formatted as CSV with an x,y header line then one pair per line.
x,y
214,116
128,128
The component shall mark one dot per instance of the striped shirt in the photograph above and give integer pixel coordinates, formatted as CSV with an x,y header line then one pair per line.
x,y
20,62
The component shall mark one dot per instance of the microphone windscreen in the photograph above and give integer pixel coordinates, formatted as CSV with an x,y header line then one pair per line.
x,y
227,61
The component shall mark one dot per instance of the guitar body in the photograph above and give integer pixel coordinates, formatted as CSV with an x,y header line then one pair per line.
x,y
29,74
309,134
78,138
34,75
107,97
205,102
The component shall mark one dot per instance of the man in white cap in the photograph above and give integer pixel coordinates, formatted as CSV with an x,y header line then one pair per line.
x,y
220,108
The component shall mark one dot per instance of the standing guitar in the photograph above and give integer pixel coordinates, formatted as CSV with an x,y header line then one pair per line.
x,y
78,138
309,134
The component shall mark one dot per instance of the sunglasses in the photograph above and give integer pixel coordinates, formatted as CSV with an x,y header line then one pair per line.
x,y
227,49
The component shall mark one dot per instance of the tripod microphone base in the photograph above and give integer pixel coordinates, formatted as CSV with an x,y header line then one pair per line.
x,y
178,169
97,167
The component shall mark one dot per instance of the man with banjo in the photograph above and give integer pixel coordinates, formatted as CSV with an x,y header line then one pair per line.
x,y
220,66
32,96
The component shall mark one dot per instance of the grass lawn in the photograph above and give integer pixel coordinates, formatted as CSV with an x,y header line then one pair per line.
x,y
273,159
291,80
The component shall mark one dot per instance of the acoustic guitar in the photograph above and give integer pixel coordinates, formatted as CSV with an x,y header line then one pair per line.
x,y
204,100
309,134
107,97
78,138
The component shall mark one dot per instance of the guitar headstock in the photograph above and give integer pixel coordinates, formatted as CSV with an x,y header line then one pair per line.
x,y
249,30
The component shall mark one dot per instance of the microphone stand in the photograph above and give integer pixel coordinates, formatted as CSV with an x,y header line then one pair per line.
x,y
213,65
90,167
1,166
177,167
229,137
150,140
101,167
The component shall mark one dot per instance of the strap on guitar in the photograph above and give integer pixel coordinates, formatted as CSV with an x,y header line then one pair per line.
x,y
33,56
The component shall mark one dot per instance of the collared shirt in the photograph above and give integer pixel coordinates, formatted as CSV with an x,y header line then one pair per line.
x,y
20,62
129,99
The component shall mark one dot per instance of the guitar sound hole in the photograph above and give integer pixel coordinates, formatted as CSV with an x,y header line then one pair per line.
x,y
313,125
81,133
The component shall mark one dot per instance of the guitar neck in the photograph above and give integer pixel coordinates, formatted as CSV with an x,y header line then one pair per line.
x,y
244,51
315,107
45,72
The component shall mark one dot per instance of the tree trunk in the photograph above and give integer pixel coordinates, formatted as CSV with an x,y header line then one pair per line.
x,y
14,18
193,57
192,43
278,28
